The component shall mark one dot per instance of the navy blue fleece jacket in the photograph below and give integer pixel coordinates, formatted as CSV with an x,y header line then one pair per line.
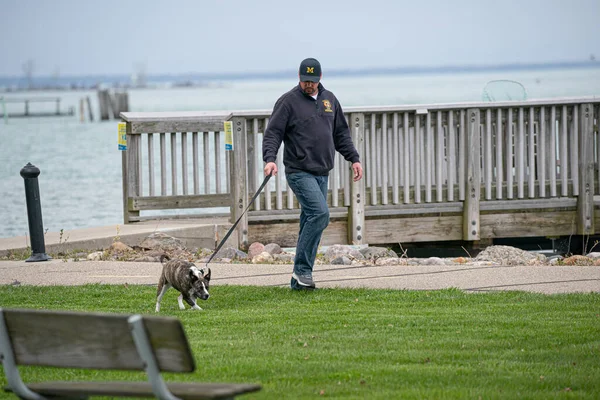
x,y
312,130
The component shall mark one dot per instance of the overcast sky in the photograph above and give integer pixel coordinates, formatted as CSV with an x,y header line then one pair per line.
x,y
80,37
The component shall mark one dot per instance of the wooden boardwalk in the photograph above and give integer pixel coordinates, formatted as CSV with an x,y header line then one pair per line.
x,y
442,172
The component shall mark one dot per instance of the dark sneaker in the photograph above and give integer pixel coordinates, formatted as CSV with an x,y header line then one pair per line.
x,y
304,281
296,286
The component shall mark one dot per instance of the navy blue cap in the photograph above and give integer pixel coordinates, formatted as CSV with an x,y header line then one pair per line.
x,y
310,70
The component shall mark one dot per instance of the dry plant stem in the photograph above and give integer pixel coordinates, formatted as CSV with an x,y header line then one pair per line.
x,y
463,247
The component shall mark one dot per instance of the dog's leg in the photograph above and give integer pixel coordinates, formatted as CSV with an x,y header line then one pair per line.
x,y
180,301
195,306
192,302
162,288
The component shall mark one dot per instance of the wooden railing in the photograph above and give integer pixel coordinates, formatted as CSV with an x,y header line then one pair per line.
x,y
174,161
432,172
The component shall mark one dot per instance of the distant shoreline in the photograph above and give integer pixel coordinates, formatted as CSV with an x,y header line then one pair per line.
x,y
83,82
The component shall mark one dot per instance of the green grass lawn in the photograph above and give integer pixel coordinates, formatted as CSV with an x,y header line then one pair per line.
x,y
362,344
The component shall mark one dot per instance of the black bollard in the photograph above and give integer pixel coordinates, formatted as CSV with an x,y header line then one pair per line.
x,y
34,213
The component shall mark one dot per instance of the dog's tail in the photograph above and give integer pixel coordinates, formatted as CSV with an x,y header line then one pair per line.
x,y
164,257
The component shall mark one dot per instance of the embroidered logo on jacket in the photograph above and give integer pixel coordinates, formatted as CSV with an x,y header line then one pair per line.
x,y
327,106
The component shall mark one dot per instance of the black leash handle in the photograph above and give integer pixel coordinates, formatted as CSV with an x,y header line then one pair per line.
x,y
238,220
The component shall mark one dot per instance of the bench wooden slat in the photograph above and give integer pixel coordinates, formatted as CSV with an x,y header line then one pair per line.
x,y
102,341
94,340
143,389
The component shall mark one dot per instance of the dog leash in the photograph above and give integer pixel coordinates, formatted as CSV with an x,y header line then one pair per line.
x,y
238,220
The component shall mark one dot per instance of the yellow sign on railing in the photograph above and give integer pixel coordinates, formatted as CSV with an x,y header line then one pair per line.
x,y
122,136
228,128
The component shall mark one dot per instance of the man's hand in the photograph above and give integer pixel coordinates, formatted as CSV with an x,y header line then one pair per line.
x,y
358,171
271,169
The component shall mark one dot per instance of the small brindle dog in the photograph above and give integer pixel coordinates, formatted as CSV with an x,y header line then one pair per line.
x,y
191,281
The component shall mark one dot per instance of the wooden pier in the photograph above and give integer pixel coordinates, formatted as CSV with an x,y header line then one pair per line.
x,y
443,172
28,112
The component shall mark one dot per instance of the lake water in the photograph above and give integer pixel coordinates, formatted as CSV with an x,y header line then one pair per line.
x,y
80,180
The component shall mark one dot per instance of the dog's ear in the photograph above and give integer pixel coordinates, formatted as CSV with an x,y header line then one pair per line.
x,y
207,275
193,276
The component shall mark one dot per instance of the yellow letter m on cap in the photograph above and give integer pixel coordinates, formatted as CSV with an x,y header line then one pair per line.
x,y
310,70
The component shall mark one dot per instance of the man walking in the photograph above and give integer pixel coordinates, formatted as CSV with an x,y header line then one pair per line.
x,y
310,122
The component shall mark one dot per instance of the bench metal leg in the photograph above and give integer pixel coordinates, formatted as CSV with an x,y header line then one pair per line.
x,y
10,366
142,343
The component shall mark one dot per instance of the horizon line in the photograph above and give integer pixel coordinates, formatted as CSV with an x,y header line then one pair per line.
x,y
345,71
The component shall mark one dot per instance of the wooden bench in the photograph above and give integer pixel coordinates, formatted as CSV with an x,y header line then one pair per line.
x,y
102,341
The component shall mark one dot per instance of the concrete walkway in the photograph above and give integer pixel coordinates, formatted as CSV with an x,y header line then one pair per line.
x,y
206,233
542,279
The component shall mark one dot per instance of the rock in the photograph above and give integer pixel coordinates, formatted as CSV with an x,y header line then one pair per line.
x,y
461,260
432,261
162,241
273,248
181,254
578,260
255,249
373,253
155,254
230,252
95,256
482,263
389,261
540,259
507,255
120,247
594,255
146,258
262,258
204,252
343,260
338,250
556,261
284,257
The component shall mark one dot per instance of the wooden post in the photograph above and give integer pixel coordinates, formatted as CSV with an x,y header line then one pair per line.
x,y
81,110
356,213
125,105
4,113
131,174
124,180
471,227
58,106
238,184
89,105
104,104
585,200
113,101
120,104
